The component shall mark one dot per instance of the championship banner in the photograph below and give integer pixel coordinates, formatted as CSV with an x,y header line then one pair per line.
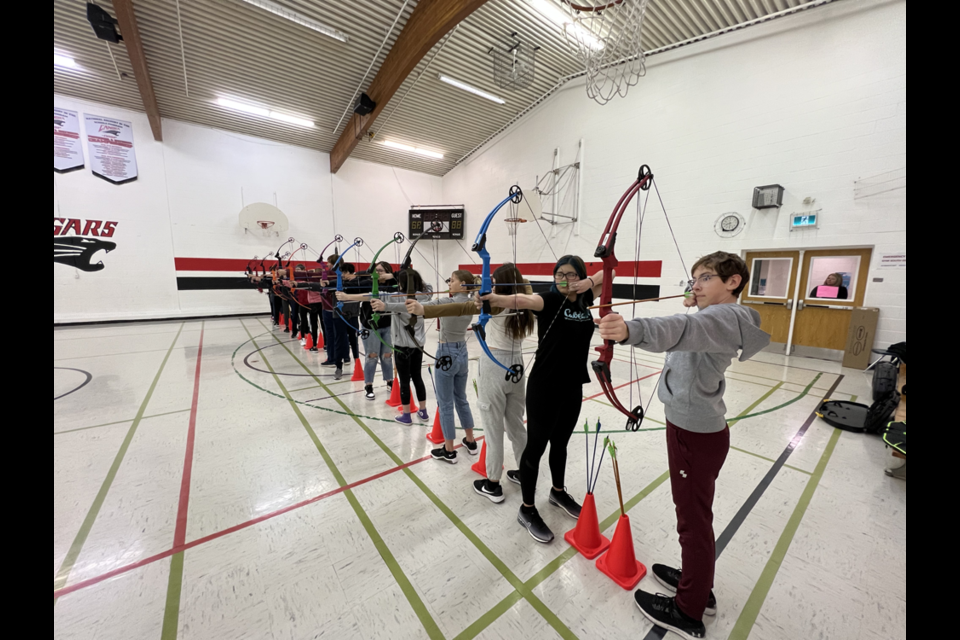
x,y
110,149
67,149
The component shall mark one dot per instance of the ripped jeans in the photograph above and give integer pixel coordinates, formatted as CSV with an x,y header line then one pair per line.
x,y
378,352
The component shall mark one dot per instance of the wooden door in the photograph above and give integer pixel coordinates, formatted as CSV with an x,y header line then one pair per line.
x,y
773,281
823,315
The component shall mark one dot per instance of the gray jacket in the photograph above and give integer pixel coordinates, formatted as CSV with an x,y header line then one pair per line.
x,y
700,347
398,327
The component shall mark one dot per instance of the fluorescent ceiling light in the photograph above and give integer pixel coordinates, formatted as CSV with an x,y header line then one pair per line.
x,y
300,19
64,61
264,113
473,90
559,17
417,150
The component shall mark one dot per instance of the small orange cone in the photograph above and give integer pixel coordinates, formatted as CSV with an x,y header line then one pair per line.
x,y
309,343
436,436
394,400
320,344
481,465
413,405
586,537
283,321
357,372
620,562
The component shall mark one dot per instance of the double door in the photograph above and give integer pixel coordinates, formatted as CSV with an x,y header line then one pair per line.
x,y
804,297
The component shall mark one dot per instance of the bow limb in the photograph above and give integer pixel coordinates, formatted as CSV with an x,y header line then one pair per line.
x,y
398,238
606,250
514,372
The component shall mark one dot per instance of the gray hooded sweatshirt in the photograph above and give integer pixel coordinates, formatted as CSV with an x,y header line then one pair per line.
x,y
700,348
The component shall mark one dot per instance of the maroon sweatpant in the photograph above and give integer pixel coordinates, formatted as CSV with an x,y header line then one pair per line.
x,y
695,463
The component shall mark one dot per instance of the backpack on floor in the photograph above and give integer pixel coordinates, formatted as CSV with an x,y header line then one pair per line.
x,y
895,435
842,414
885,378
881,413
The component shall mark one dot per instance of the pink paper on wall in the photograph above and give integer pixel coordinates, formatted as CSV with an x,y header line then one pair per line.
x,y
823,291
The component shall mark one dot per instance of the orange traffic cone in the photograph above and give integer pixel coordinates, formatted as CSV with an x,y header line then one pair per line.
x,y
620,562
586,537
320,344
283,321
481,465
394,400
309,343
436,436
357,372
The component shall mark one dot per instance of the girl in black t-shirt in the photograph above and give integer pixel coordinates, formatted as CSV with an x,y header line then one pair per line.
x,y
554,387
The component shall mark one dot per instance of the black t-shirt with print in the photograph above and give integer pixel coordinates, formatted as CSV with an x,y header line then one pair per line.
x,y
565,330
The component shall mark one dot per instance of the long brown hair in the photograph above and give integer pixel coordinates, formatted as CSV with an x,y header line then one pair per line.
x,y
519,325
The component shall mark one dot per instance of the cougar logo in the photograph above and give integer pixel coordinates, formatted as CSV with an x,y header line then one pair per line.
x,y
78,252
58,122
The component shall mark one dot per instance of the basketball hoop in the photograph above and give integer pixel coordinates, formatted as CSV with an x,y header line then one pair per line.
x,y
607,36
512,224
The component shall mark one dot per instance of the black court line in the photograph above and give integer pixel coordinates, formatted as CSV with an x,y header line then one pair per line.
x,y
658,633
82,384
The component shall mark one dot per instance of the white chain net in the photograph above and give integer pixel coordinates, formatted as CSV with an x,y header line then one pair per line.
x,y
606,35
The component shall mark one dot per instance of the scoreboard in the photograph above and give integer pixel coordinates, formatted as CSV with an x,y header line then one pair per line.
x,y
437,222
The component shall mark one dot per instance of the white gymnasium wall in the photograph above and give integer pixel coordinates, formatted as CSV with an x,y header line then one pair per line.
x,y
186,204
812,101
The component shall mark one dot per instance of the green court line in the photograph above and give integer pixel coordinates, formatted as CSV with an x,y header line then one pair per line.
x,y
507,603
419,608
853,398
490,556
110,424
751,610
802,395
171,611
757,455
73,553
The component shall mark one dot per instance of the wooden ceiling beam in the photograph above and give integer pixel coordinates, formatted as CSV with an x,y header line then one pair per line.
x,y
429,22
131,38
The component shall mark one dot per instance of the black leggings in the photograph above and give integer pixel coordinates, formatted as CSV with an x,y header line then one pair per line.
x,y
410,368
304,314
551,419
316,309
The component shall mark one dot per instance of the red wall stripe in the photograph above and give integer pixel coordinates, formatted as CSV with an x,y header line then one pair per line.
x,y
641,269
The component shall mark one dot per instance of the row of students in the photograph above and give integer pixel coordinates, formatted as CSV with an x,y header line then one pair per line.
x,y
700,348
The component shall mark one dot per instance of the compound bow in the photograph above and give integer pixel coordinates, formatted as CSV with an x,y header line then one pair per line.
x,y
444,363
514,372
357,242
398,238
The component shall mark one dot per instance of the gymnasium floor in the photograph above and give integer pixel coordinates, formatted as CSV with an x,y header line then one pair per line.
x,y
308,513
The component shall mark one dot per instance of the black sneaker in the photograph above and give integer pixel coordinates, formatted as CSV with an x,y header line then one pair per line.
x,y
328,363
670,579
564,501
314,350
443,454
662,611
370,394
535,526
514,477
489,490
472,447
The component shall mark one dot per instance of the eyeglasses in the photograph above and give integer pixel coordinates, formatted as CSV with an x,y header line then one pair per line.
x,y
704,279
561,276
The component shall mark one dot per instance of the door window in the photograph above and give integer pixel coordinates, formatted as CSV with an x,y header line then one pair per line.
x,y
770,277
833,277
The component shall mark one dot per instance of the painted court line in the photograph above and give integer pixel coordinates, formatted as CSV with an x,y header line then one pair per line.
x,y
171,616
552,619
74,552
111,424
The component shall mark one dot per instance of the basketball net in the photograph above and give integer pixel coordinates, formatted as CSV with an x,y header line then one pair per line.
x,y
265,226
607,36
512,224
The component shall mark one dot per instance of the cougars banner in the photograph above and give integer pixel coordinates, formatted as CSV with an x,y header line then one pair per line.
x,y
67,149
110,148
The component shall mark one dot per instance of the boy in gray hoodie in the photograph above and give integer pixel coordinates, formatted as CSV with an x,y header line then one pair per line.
x,y
700,348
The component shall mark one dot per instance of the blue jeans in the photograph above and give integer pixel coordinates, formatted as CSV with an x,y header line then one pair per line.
x,y
452,389
378,352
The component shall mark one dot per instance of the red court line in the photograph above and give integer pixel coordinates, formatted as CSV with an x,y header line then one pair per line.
x,y
180,533
178,548
240,527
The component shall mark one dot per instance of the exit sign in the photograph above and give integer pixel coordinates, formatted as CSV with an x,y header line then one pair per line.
x,y
805,220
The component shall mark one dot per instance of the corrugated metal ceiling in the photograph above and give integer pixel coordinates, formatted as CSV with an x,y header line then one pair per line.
x,y
234,50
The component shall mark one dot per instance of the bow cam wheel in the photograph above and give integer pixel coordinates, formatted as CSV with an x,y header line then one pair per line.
x,y
365,334
399,237
515,374
645,172
516,194
445,363
634,422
